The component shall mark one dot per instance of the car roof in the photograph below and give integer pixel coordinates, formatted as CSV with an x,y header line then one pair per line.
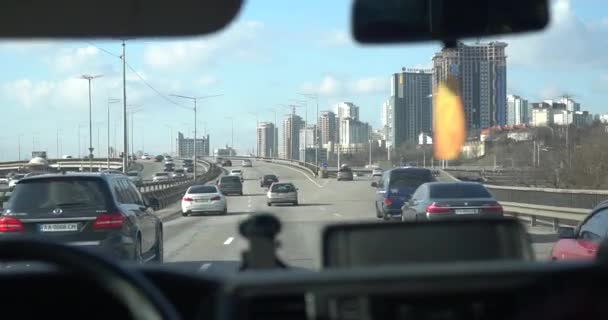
x,y
50,176
450,183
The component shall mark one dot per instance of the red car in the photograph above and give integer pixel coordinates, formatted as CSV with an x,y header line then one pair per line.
x,y
583,241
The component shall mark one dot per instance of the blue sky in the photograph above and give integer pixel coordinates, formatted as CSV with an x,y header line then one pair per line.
x,y
274,50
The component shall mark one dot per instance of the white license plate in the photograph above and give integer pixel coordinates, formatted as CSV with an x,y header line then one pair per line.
x,y
202,200
466,211
59,227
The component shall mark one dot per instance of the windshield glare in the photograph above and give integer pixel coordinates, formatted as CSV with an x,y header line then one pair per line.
x,y
285,91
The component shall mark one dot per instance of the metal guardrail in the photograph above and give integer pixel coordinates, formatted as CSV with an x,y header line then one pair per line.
x,y
545,205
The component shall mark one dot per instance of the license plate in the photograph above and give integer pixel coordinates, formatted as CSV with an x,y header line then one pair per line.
x,y
465,211
59,227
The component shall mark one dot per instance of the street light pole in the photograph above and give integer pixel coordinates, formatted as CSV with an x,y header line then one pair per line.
x,y
110,101
125,141
19,146
195,112
317,138
89,78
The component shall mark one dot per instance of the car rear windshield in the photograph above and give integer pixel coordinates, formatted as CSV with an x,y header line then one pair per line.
x,y
179,171
161,174
459,191
133,173
236,171
202,189
230,180
282,188
269,177
410,178
47,194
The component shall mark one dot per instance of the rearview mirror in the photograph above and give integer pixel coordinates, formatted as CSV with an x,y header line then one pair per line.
x,y
375,184
417,20
153,203
566,233
114,18
363,244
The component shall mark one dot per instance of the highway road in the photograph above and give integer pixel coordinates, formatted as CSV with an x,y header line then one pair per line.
x,y
212,243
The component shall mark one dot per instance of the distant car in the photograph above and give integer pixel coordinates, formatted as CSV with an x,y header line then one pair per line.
x,y
246,163
377,172
66,156
158,158
226,163
237,172
169,161
267,180
189,168
450,200
345,174
168,157
282,193
169,167
160,176
395,187
4,180
92,210
179,173
582,242
230,185
12,182
203,198
135,177
145,157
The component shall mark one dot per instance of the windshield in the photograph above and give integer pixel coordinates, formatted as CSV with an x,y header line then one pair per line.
x,y
203,189
282,188
286,90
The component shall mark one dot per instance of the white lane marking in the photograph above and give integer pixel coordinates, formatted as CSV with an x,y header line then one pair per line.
x,y
228,241
204,267
304,174
337,215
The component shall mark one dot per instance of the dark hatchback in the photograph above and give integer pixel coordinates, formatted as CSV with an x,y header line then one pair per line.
x,y
230,185
103,212
395,188
267,180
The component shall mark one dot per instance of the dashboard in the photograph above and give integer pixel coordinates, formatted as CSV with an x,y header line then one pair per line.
x,y
518,290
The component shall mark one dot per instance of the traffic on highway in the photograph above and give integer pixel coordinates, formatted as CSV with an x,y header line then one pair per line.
x,y
403,159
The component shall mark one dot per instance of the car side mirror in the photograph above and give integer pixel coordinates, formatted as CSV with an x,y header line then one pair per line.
x,y
375,184
566,233
153,203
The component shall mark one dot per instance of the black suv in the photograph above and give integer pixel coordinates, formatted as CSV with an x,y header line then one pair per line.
x,y
267,180
103,212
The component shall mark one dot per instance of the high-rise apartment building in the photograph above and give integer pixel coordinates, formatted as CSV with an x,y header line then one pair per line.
x,y
327,125
185,146
409,108
347,110
267,140
517,110
307,145
291,137
481,72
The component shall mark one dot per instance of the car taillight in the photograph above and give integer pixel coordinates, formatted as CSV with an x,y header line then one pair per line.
x,y
109,221
493,207
216,198
187,199
10,224
436,208
388,201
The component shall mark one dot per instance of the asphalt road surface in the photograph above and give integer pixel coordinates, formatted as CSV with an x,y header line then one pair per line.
x,y
212,243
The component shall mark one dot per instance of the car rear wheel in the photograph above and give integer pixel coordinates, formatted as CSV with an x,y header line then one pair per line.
x,y
269,204
159,252
185,214
225,212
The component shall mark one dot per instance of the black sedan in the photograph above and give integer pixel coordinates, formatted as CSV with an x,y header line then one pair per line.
x,y
103,212
450,200
267,180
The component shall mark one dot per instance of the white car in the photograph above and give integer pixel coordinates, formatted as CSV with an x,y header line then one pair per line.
x,y
377,172
202,199
237,172
280,192
160,176
12,182
3,180
247,164
145,157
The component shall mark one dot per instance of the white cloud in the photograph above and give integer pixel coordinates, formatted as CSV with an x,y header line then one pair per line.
x,y
239,41
551,91
26,93
331,85
566,42
207,80
336,38
370,85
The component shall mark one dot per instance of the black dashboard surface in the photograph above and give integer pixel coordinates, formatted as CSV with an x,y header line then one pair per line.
x,y
451,292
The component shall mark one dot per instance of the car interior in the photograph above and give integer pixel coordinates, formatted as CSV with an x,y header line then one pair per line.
x,y
370,271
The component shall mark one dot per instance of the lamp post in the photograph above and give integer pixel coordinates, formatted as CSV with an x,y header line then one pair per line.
x,y
110,101
89,78
195,99
317,144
